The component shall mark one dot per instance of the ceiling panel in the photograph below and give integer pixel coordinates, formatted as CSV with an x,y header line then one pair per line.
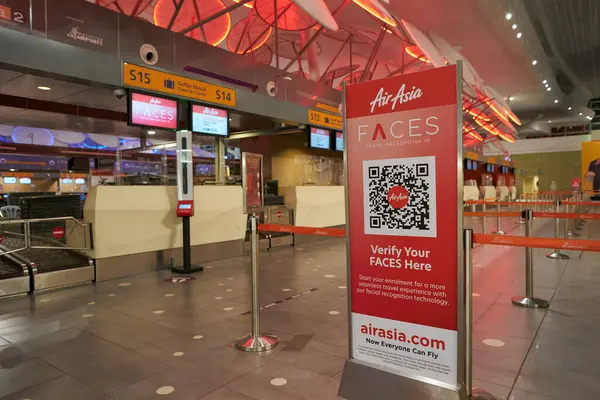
x,y
27,86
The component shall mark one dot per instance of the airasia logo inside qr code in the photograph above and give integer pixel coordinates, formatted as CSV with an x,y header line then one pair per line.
x,y
400,197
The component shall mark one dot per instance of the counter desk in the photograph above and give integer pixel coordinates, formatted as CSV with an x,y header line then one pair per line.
x,y
135,229
317,206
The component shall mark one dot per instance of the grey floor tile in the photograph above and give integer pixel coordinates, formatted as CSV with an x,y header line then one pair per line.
x,y
63,388
103,365
521,395
498,391
226,394
301,384
496,369
29,373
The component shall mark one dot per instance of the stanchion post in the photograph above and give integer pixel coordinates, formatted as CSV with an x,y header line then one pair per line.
x,y
557,255
484,219
472,393
499,230
529,301
255,342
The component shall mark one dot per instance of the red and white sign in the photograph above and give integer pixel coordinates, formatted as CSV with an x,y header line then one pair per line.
x,y
402,148
153,111
210,120
58,233
320,138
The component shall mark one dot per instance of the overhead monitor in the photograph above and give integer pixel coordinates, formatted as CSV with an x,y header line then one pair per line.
x,y
149,111
209,120
319,138
338,145
79,181
10,180
25,181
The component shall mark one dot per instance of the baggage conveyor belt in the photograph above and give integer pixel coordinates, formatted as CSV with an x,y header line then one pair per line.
x,y
49,268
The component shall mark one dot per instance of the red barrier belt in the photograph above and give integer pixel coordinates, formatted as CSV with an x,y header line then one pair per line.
x,y
302,230
538,243
565,215
492,214
510,203
581,203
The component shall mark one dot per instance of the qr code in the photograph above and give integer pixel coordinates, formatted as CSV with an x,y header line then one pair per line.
x,y
399,197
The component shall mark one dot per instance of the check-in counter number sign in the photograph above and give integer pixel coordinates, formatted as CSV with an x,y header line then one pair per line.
x,y
158,81
326,120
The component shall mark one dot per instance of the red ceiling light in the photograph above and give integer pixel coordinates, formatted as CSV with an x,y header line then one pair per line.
x,y
263,55
470,131
290,17
512,116
193,11
498,109
375,8
415,52
256,32
490,128
127,7
249,4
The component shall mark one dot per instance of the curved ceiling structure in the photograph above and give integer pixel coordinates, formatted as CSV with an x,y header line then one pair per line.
x,y
356,40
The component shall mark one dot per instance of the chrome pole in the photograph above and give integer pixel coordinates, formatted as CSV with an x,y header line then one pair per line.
x,y
484,219
557,255
499,230
529,301
472,392
255,342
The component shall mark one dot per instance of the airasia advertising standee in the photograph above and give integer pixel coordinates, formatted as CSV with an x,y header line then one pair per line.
x,y
402,157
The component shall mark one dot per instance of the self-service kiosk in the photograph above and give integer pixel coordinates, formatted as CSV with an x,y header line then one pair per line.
x,y
185,197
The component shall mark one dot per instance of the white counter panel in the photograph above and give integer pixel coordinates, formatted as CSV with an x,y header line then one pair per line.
x,y
137,219
317,206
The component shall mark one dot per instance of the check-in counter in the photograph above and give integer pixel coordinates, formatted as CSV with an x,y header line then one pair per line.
x,y
317,206
135,229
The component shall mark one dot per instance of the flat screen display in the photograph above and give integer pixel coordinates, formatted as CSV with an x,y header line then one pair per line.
x,y
67,181
469,165
339,141
319,138
80,181
25,181
10,180
185,206
152,111
209,121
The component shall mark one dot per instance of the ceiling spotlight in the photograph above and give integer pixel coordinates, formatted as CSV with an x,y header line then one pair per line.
x,y
151,132
549,89
549,122
514,26
12,170
545,82
287,78
44,88
555,101
546,85
570,108
580,113
519,35
511,98
534,62
508,16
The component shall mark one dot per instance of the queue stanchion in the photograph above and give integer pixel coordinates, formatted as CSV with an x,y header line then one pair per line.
x,y
529,301
484,219
499,230
557,255
255,342
472,393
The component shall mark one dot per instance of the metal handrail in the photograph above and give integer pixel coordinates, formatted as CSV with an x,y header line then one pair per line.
x,y
27,233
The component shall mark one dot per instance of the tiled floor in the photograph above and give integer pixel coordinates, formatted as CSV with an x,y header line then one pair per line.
x,y
143,338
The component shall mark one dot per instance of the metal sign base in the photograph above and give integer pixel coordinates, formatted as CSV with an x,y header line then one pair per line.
x,y
557,255
360,382
529,302
182,270
481,394
257,344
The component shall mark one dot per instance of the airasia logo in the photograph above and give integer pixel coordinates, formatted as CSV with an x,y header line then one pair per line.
x,y
398,197
155,101
210,111
383,98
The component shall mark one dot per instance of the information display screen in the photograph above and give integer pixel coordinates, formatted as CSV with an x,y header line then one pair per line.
x,y
185,206
339,141
25,181
10,180
319,138
209,120
152,111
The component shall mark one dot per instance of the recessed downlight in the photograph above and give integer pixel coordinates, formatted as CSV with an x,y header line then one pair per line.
x,y
580,114
545,82
511,98
519,35
514,26
534,62
549,122
570,108
151,132
555,101
44,88
508,16
549,89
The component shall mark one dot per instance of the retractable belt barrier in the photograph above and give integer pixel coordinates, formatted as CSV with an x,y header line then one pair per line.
x,y
302,230
537,243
